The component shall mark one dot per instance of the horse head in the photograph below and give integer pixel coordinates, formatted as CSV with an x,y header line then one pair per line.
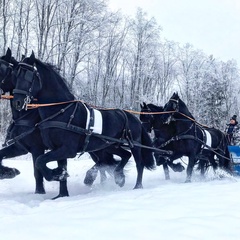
x,y
170,108
146,117
176,109
162,132
38,80
7,66
27,83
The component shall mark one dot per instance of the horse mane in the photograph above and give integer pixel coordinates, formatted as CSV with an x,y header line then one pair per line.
x,y
185,111
56,71
155,108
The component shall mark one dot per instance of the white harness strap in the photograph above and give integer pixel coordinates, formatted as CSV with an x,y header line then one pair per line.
x,y
208,139
88,116
98,122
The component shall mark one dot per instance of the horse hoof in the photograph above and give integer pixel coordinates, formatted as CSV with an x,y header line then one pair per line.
x,y
187,181
60,195
59,174
178,167
120,181
40,191
138,186
119,178
88,180
8,173
90,177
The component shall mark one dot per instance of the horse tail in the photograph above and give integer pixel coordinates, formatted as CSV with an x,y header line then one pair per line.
x,y
226,159
228,163
147,154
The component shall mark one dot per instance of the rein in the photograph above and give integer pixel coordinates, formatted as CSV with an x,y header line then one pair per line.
x,y
37,105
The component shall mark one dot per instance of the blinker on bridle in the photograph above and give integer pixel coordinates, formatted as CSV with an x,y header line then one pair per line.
x,y
29,74
5,69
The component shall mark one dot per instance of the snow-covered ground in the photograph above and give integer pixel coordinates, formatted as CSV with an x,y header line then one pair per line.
x,y
172,209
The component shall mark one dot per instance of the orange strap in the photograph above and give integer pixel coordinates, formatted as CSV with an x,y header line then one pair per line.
x,y
6,97
32,105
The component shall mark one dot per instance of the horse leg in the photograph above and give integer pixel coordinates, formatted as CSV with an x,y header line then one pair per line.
x,y
104,162
118,173
176,167
103,176
143,158
63,190
136,151
58,174
160,160
166,171
39,185
191,163
213,164
10,152
203,166
91,175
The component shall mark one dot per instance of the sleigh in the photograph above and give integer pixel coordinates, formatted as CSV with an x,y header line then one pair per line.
x,y
235,155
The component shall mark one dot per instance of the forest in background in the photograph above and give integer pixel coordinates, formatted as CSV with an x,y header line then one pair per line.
x,y
113,60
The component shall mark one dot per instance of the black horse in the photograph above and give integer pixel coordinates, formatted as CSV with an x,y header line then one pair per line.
x,y
23,123
66,126
22,136
7,64
162,133
194,140
165,138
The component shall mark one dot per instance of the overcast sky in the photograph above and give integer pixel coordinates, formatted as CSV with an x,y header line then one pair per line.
x,y
210,25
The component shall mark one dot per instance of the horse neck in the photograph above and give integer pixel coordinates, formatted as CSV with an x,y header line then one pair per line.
x,y
184,125
162,130
184,109
54,90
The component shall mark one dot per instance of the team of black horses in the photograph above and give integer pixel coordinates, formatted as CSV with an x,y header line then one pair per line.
x,y
49,123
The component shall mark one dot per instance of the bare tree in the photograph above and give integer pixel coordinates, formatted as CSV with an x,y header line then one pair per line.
x,y
144,38
4,24
45,15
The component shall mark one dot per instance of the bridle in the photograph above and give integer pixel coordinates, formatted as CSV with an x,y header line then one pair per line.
x,y
175,108
175,104
148,125
30,74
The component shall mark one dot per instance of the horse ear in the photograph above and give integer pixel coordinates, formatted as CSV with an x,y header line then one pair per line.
x,y
32,57
141,105
144,104
8,54
23,56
